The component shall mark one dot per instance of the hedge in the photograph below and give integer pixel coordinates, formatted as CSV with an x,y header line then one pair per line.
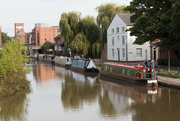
x,y
173,62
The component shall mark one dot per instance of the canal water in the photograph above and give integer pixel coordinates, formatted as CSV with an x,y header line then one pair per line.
x,y
60,94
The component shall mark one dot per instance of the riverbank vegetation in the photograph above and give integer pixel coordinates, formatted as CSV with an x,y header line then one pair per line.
x,y
12,68
169,74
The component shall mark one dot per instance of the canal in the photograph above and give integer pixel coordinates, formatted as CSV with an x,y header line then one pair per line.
x,y
60,94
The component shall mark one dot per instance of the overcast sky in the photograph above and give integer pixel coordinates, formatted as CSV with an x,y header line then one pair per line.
x,y
30,12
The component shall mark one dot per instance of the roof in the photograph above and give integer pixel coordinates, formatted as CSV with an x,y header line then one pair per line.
x,y
126,18
57,37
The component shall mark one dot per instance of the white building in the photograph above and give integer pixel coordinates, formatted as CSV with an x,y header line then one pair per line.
x,y
120,45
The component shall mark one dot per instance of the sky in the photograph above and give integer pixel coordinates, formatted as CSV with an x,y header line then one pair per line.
x,y
30,12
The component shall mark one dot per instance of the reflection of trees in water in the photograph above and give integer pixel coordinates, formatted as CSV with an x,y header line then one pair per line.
x,y
14,107
75,93
166,108
106,107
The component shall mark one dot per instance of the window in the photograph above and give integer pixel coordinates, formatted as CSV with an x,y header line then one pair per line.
x,y
37,31
49,39
54,35
112,52
49,34
45,30
54,30
49,30
123,40
117,29
45,34
123,29
112,40
123,50
138,52
118,38
112,30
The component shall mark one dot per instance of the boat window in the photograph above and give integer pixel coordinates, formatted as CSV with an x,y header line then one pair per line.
x,y
129,72
123,71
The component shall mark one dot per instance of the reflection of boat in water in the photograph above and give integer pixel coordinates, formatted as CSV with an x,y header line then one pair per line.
x,y
123,97
135,74
87,65
83,77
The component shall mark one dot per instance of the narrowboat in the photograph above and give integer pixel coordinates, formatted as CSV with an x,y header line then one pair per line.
x,y
86,65
136,74
63,61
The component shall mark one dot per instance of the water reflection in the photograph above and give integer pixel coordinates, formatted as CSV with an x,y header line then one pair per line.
x,y
44,72
14,107
78,89
69,95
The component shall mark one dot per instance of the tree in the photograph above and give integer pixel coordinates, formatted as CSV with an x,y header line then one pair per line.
x,y
154,19
12,67
69,26
106,13
5,37
46,46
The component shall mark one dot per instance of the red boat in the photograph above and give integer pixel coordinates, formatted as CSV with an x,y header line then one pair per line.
x,y
138,74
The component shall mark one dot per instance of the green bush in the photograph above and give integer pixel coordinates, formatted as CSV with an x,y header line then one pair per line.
x,y
12,66
173,62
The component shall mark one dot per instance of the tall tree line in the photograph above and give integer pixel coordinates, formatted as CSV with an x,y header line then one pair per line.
x,y
87,35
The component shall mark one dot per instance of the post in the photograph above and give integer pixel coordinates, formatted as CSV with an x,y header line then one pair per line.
x,y
168,61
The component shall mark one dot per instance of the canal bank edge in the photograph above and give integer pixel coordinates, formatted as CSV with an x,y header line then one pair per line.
x,y
164,81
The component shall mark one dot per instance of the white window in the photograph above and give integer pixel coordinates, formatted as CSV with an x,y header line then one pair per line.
x,y
117,29
118,38
123,51
139,52
112,40
112,52
123,40
112,30
123,29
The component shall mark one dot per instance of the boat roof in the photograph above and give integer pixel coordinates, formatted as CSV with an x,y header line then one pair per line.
x,y
123,65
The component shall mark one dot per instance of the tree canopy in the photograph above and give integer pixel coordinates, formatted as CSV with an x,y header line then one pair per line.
x,y
156,19
5,37
47,45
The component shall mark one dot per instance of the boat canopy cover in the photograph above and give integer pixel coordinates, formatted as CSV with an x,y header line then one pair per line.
x,y
91,64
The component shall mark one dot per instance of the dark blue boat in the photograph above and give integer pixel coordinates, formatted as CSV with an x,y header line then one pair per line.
x,y
87,65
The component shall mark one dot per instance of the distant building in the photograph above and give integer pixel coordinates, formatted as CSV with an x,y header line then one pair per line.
x,y
59,45
19,31
42,33
120,45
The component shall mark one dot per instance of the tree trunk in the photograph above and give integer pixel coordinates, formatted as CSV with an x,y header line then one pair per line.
x,y
169,61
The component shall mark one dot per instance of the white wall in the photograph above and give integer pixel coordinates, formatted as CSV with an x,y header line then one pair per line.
x,y
117,22
132,49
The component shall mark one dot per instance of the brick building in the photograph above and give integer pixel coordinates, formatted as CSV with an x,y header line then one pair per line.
x,y
19,31
42,33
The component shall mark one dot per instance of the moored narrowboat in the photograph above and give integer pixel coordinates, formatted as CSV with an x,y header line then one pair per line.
x,y
86,65
63,61
137,74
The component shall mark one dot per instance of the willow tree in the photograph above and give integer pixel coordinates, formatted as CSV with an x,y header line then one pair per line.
x,y
69,26
80,44
106,13
92,32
